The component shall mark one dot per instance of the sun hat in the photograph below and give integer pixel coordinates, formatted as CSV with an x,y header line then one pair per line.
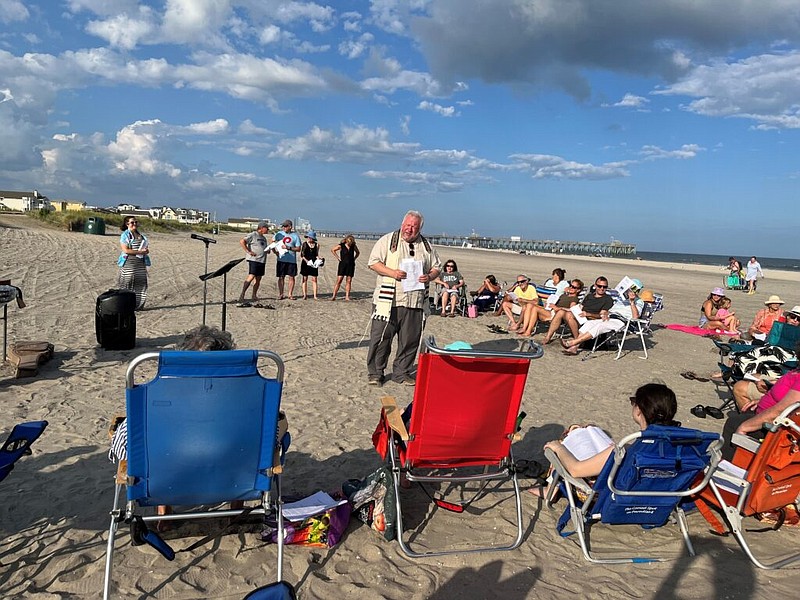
x,y
287,223
795,311
774,299
647,296
311,234
717,291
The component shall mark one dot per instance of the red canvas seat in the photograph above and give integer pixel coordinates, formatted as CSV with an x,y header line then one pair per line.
x,y
464,419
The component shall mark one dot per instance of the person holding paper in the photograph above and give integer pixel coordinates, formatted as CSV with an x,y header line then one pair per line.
x,y
309,253
596,309
133,261
405,263
524,296
652,404
286,245
451,281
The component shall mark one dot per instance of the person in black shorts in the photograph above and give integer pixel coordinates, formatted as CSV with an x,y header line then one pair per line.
x,y
255,246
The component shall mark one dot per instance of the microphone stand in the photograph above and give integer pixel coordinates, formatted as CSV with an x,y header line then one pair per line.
x,y
206,241
223,270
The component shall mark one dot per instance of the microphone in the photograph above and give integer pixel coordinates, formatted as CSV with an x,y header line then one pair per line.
x,y
204,239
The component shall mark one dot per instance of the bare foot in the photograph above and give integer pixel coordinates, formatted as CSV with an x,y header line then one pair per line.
x,y
333,299
538,491
347,299
546,340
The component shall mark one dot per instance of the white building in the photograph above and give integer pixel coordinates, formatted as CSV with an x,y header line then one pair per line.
x,y
24,201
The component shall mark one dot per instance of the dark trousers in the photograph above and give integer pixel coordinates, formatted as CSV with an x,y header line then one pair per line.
x,y
406,324
730,427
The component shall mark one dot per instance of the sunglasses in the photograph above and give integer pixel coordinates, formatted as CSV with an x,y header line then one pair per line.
x,y
450,266
521,281
411,249
600,287
632,399
793,317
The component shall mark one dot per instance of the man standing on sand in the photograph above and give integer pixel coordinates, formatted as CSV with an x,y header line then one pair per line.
x,y
286,251
255,245
405,263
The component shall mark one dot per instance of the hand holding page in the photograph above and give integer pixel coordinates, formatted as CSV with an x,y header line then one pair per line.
x,y
278,246
624,285
576,310
413,269
585,442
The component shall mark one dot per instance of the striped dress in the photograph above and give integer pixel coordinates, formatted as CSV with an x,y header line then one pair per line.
x,y
133,273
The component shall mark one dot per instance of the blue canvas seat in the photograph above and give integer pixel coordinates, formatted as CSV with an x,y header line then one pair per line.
x,y
18,444
203,431
643,483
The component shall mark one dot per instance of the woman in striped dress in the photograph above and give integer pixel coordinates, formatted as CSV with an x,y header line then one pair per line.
x,y
133,261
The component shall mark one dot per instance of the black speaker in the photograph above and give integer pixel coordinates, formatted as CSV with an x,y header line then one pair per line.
x,y
115,320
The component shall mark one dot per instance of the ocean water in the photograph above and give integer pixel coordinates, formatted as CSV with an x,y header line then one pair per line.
x,y
778,264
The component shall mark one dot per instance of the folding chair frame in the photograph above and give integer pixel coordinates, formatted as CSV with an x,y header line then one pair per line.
x,y
270,501
503,470
734,513
636,327
581,515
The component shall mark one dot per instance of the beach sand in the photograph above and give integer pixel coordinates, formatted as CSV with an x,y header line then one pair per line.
x,y
54,509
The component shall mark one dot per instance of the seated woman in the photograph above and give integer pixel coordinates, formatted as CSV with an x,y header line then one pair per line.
x,y
754,414
557,280
653,404
762,323
708,312
560,311
486,296
555,305
452,282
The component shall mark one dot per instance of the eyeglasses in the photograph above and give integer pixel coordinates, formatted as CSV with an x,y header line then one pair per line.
x,y
411,249
521,281
793,317
450,266
632,399
600,286
575,287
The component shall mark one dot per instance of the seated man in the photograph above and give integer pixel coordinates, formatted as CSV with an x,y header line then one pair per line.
x,y
522,296
595,311
553,311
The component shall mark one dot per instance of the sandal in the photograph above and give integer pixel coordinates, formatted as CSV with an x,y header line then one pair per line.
x,y
530,469
699,411
713,411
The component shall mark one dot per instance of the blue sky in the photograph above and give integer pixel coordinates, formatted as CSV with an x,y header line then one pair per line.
x,y
672,125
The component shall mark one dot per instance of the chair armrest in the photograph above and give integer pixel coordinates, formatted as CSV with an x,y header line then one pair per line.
x,y
746,442
394,417
559,467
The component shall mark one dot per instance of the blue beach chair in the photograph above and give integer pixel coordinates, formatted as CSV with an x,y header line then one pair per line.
x,y
643,483
203,431
18,444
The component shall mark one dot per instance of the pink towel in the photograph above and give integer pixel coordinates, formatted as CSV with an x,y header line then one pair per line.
x,y
696,330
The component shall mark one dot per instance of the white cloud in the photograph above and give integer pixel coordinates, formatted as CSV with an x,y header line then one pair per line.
x,y
630,101
546,166
215,127
684,152
445,111
763,88
124,31
13,10
352,144
193,20
136,148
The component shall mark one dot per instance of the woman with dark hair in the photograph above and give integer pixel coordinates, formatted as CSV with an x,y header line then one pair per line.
x,y
708,311
653,404
486,295
133,261
557,280
452,282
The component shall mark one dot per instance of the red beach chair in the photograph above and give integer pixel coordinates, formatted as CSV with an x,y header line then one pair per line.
x,y
765,478
465,417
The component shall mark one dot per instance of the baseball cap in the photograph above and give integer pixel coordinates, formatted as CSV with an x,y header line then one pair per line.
x,y
286,223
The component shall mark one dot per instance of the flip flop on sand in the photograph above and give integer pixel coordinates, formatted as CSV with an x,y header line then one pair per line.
x,y
694,376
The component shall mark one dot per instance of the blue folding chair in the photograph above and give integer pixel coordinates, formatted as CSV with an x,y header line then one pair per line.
x,y
643,483
203,431
18,444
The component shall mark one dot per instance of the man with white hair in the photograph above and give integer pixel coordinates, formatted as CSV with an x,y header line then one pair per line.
x,y
399,298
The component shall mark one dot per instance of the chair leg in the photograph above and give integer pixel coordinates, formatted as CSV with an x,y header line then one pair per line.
x,y
279,510
684,530
112,533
